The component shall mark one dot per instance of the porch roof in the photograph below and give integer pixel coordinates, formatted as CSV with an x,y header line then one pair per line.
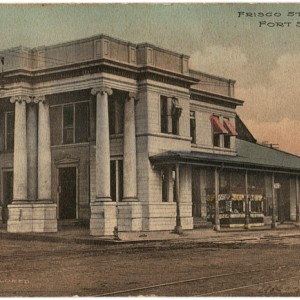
x,y
249,156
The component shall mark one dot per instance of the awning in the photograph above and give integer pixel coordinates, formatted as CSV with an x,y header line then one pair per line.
x,y
217,125
230,128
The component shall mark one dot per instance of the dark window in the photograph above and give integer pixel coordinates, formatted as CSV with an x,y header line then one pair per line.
x,y
256,206
165,185
176,113
164,114
81,122
116,180
226,141
216,134
9,130
216,139
68,124
175,124
193,127
237,206
116,116
170,112
226,136
56,125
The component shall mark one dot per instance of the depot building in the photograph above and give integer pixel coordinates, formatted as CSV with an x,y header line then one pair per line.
x,y
114,134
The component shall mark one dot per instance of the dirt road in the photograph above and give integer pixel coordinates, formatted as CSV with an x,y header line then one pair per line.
x,y
54,269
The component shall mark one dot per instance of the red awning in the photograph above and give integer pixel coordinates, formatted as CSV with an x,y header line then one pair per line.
x,y
217,125
230,127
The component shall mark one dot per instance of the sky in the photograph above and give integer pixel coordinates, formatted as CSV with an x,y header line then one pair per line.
x,y
255,44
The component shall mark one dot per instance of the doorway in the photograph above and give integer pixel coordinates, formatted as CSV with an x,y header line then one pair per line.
x,y
7,193
67,189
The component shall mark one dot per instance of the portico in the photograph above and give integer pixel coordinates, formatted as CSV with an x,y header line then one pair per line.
x,y
32,209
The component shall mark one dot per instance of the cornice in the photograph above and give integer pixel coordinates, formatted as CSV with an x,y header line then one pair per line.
x,y
208,97
98,66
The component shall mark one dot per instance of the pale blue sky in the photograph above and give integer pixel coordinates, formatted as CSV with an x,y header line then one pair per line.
x,y
263,60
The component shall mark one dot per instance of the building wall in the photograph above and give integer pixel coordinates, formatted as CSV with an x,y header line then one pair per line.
x,y
128,68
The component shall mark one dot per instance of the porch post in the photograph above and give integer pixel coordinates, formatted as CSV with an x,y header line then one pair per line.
x,y
273,225
217,216
297,202
247,211
178,227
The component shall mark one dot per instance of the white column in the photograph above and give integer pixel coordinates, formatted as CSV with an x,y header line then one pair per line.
x,y
32,153
20,148
102,144
44,150
129,147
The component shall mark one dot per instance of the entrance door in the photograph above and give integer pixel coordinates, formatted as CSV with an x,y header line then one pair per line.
x,y
7,193
67,193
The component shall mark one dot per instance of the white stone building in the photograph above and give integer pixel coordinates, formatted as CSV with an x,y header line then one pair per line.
x,y
111,133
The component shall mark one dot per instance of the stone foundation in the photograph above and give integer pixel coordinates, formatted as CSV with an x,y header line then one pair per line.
x,y
129,216
30,217
103,218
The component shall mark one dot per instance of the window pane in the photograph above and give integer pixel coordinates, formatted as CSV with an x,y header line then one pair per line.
x,y
226,141
56,125
68,115
68,119
81,122
112,114
216,140
164,114
193,130
164,195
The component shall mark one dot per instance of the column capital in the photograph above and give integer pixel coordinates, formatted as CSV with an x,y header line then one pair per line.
x,y
20,99
40,98
132,95
101,90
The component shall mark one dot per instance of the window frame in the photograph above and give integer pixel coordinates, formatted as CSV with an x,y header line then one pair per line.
x,y
61,106
193,129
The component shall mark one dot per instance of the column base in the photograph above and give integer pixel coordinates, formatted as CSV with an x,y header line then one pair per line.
x,y
103,199
130,199
217,227
32,217
103,218
178,229
129,216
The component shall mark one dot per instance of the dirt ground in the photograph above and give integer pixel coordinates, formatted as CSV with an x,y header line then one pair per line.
x,y
57,269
